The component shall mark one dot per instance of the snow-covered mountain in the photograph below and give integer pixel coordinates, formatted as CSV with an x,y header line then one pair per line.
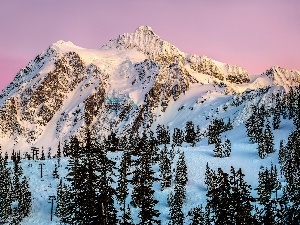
x,y
133,82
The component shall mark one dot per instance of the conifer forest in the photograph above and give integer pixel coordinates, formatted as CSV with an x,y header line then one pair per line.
x,y
123,179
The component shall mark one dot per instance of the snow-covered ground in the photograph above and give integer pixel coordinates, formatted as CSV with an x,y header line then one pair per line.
x,y
243,155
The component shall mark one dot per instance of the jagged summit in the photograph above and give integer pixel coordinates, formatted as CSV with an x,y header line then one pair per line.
x,y
146,41
144,28
283,77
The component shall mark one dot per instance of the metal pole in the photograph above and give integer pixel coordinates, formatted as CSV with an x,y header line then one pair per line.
x,y
52,198
41,170
41,164
51,208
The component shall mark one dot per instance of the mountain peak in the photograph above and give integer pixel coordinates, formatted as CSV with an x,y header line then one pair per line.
x,y
64,45
143,28
144,40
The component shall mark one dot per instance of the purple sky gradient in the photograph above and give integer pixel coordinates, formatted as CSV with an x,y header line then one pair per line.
x,y
254,34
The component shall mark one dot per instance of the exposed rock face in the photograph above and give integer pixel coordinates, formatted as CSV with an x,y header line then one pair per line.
x,y
283,77
221,71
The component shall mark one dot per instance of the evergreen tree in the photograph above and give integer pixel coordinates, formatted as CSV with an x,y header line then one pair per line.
x,y
91,198
64,209
276,120
241,199
198,134
49,153
218,147
21,195
5,191
229,198
176,203
25,199
281,152
181,177
42,155
178,137
179,196
143,193
255,124
165,168
197,215
127,219
277,112
122,187
58,155
268,139
210,178
55,172
266,142
153,148
163,134
190,134
215,129
229,125
113,141
219,199
266,185
101,173
291,170
227,148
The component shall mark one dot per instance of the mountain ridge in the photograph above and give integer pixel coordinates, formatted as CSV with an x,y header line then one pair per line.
x,y
125,86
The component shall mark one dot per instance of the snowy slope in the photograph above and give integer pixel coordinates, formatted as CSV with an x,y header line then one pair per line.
x,y
131,82
244,155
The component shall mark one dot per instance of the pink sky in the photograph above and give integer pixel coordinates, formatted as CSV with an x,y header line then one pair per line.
x,y
254,34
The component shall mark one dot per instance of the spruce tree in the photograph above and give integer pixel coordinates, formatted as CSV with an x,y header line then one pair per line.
x,y
25,199
64,207
197,216
42,155
113,141
290,169
165,168
178,198
176,203
163,134
281,152
127,218
219,199
241,199
276,120
58,155
55,172
103,169
218,147
227,148
178,137
91,198
49,153
277,111
268,139
199,135
255,124
122,187
181,177
20,195
190,134
210,178
5,191
267,184
143,193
